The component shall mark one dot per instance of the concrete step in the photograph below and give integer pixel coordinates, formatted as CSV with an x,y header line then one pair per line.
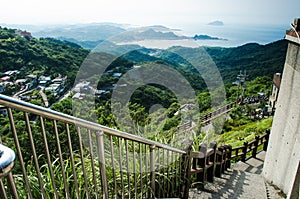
x,y
243,181
233,184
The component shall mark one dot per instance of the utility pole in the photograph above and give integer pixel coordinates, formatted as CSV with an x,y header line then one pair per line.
x,y
241,82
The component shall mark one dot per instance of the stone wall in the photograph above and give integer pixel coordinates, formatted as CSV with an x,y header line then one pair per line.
x,y
282,161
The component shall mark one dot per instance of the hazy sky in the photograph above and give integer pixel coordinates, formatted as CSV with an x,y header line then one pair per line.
x,y
148,12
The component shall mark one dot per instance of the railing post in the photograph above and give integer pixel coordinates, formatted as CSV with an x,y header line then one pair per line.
x,y
220,156
254,152
267,136
186,167
212,158
101,154
152,170
228,156
245,152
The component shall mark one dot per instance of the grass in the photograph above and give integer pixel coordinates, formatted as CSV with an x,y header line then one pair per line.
x,y
245,133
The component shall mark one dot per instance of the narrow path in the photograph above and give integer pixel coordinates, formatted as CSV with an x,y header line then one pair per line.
x,y
243,181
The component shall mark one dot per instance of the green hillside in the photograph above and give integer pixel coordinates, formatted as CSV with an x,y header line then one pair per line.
x,y
42,56
256,59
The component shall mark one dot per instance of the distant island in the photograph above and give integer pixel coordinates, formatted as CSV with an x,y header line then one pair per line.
x,y
207,37
216,23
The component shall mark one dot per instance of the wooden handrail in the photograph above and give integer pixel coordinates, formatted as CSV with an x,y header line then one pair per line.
x,y
212,162
252,146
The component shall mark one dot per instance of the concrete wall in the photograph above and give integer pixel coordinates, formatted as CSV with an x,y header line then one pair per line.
x,y
283,154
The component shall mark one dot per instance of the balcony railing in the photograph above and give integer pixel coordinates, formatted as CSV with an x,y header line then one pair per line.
x,y
61,156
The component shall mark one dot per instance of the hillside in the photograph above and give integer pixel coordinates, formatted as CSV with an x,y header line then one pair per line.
x,y
256,59
42,56
51,56
82,32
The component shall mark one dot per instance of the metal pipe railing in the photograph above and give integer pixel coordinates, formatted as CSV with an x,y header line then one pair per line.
x,y
46,112
61,156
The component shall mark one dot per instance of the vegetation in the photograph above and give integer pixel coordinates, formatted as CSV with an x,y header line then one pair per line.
x,y
45,56
52,57
257,60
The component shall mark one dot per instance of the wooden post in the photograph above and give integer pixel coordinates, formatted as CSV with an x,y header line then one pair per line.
x,y
228,156
267,136
220,157
254,152
244,151
201,176
212,158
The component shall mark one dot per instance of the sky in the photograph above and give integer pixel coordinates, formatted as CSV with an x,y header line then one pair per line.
x,y
148,12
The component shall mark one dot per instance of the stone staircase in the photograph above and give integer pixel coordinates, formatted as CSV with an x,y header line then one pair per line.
x,y
243,181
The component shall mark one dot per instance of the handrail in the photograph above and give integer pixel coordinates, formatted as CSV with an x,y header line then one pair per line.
x,y
95,156
125,155
224,109
188,126
46,112
251,146
210,163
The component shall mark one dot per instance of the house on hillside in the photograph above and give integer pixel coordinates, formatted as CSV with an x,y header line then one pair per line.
x,y
58,80
55,89
24,34
33,80
44,81
117,75
12,72
83,87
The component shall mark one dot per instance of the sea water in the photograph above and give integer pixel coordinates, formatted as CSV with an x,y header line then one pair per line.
x,y
235,34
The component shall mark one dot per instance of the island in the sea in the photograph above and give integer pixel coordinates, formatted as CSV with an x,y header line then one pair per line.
x,y
216,23
207,37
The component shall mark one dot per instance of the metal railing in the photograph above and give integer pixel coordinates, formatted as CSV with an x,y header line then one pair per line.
x,y
61,156
205,119
210,116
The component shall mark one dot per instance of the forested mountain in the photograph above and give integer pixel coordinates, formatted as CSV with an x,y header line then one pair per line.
x,y
48,56
44,56
256,59
82,32
51,56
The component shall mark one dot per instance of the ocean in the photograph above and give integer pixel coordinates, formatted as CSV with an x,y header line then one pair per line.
x,y
235,34
231,35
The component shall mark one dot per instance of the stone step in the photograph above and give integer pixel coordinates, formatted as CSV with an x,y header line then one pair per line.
x,y
233,184
242,181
